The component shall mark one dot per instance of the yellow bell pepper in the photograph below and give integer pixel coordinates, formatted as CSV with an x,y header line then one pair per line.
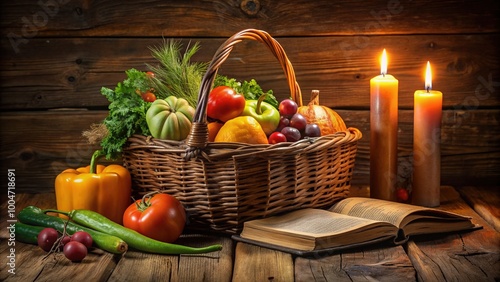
x,y
103,189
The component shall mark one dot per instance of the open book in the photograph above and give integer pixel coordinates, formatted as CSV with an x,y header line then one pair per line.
x,y
351,222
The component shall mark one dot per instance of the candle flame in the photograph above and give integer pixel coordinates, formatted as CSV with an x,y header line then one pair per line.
x,y
383,63
428,77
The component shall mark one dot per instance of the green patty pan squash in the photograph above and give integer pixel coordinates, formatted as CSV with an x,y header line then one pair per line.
x,y
170,118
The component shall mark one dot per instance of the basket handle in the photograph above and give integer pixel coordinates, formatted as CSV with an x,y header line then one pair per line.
x,y
198,137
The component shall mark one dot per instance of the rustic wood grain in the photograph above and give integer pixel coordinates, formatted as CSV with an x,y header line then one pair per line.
x,y
486,202
147,267
461,150
223,17
55,143
102,265
216,266
435,258
40,145
254,263
72,71
369,264
470,256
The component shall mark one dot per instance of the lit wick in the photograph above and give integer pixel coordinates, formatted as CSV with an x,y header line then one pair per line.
x,y
383,63
428,78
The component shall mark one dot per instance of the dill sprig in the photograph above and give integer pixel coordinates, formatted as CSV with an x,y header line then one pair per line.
x,y
176,75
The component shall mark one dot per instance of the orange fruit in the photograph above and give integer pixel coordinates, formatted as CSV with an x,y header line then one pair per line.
x,y
213,129
242,129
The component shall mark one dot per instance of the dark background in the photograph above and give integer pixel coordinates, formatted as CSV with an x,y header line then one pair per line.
x,y
56,55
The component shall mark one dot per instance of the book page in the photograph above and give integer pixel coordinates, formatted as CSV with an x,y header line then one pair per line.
x,y
310,223
310,229
375,209
395,213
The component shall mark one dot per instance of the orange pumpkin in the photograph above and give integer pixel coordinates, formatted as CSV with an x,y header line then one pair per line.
x,y
327,119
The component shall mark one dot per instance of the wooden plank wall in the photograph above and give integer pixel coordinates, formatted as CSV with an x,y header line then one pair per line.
x,y
57,54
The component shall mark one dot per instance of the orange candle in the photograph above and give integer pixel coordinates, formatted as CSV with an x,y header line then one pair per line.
x,y
426,144
383,133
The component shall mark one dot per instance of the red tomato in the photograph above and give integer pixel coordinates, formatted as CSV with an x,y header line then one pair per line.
x,y
148,96
224,103
161,217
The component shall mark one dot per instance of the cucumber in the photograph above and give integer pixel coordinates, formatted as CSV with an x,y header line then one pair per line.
x,y
27,233
32,215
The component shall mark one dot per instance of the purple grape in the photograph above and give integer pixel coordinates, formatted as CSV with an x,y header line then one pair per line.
x,y
292,134
312,130
298,121
284,122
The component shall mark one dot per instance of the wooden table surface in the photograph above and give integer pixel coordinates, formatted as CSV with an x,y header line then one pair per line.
x,y
466,256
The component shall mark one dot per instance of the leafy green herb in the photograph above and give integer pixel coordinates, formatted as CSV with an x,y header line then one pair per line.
x,y
250,89
127,112
176,75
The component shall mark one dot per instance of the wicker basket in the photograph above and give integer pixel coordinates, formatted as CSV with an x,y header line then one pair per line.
x,y
223,185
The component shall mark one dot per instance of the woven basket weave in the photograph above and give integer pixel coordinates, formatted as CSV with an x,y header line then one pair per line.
x,y
222,185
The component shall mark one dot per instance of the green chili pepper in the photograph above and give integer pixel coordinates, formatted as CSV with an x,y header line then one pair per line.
x,y
35,216
134,239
